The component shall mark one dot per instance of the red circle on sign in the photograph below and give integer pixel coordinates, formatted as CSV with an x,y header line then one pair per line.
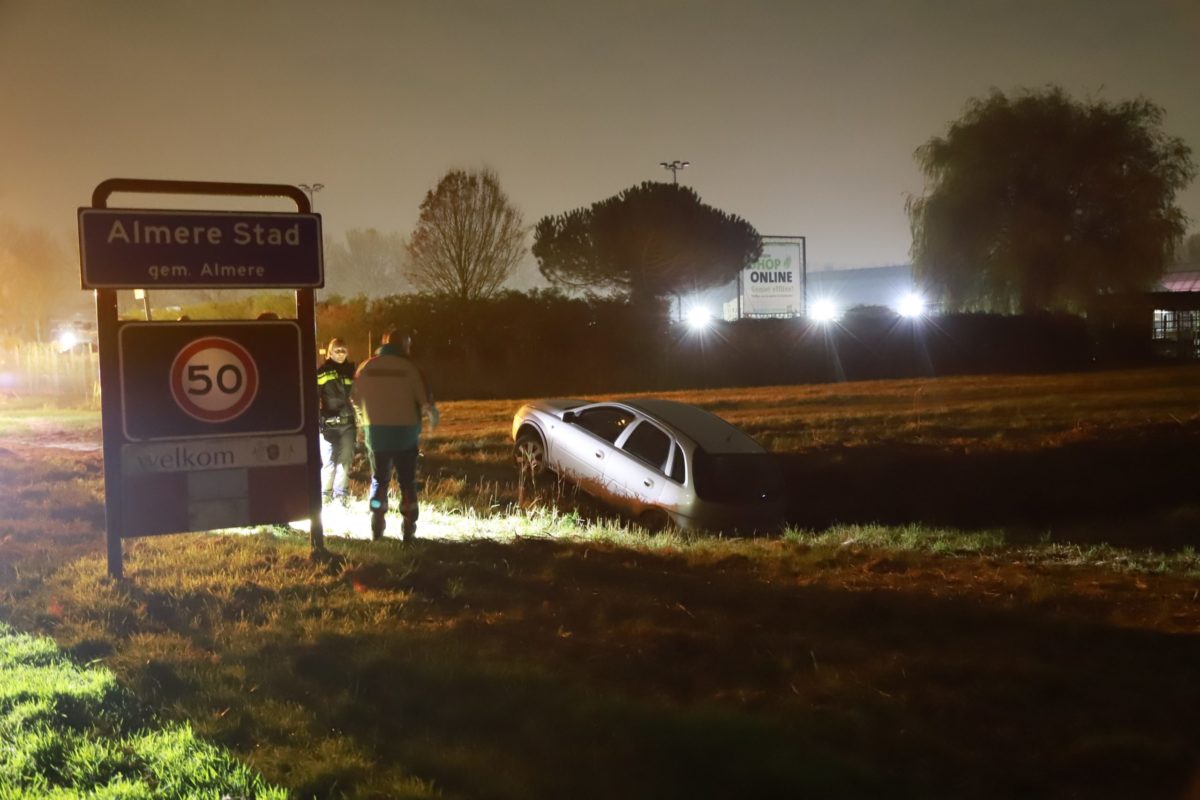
x,y
214,379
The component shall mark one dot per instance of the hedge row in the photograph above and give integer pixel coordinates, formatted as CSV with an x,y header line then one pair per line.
x,y
544,344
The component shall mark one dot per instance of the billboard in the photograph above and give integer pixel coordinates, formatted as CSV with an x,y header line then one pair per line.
x,y
774,285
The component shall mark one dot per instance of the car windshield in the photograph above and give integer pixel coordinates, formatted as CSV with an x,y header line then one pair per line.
x,y
736,477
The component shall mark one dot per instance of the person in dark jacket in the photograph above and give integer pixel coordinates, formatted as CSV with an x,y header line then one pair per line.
x,y
339,431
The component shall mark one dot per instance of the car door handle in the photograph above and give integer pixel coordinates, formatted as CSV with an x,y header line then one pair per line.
x,y
648,482
599,454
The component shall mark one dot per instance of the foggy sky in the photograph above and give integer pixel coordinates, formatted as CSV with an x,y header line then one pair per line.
x,y
801,117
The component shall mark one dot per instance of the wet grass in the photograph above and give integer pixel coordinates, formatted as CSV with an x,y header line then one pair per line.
x,y
587,661
71,731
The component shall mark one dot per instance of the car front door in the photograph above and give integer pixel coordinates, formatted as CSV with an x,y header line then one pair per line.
x,y
585,440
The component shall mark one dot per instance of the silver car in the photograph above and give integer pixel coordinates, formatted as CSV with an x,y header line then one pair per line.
x,y
661,462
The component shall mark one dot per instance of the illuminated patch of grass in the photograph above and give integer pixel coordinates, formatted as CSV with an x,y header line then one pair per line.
x,y
71,731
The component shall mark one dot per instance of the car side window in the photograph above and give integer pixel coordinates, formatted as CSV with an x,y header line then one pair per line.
x,y
606,422
649,444
678,473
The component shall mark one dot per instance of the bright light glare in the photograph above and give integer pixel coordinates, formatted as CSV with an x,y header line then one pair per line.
x,y
698,318
67,340
355,523
911,305
823,310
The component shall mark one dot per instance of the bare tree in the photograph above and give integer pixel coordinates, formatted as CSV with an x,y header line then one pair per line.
x,y
469,237
369,263
37,279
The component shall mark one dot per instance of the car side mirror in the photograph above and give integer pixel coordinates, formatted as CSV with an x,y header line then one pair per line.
x,y
570,416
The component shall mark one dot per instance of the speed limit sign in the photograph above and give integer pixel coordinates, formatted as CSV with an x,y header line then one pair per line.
x,y
214,379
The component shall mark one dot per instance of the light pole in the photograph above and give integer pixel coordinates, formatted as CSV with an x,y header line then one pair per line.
x,y
674,166
312,189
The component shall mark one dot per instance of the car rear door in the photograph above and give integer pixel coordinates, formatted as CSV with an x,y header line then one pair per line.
x,y
636,471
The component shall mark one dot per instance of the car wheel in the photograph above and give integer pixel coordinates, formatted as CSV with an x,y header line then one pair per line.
x,y
530,455
654,520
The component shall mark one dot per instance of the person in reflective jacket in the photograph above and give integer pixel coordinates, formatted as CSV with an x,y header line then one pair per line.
x,y
339,433
391,396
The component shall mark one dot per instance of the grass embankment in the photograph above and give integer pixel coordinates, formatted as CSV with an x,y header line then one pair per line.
x,y
539,654
69,731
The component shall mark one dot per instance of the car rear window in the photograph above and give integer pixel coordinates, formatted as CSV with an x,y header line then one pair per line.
x,y
736,477
677,470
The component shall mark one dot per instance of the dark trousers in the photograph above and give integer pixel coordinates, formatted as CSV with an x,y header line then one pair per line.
x,y
404,462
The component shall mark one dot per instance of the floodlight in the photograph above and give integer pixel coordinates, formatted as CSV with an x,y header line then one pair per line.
x,y
823,310
67,340
911,305
698,318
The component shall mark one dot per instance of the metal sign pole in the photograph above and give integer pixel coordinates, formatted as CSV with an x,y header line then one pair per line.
x,y
110,421
804,276
307,317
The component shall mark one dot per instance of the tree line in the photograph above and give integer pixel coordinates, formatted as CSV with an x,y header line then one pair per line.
x,y
1032,202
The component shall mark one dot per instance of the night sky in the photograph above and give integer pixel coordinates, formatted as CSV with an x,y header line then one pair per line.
x,y
801,117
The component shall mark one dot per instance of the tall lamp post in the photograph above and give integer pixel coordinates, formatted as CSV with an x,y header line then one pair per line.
x,y
312,189
674,166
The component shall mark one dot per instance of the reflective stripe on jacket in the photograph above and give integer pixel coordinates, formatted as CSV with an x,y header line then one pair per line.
x,y
334,384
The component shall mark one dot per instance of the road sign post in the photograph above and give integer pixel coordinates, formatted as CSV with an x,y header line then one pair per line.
x,y
206,424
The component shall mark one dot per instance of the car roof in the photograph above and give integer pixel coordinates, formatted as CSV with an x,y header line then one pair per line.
x,y
710,432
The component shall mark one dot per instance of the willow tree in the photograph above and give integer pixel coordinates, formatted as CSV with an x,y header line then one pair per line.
x,y
469,238
647,242
1040,202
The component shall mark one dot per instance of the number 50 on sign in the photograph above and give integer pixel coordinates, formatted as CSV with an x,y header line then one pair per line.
x,y
214,379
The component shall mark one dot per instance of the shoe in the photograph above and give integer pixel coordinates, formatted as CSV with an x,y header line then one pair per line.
x,y
409,527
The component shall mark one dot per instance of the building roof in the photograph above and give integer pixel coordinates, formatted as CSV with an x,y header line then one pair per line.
x,y
1188,281
865,286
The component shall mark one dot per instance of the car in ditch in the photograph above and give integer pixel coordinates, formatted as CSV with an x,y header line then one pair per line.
x,y
662,462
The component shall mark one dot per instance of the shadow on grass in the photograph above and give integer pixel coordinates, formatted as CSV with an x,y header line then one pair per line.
x,y
1090,480
546,670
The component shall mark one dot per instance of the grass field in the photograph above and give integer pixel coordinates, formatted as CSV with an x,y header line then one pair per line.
x,y
892,644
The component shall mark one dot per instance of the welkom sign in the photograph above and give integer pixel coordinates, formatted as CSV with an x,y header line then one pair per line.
x,y
210,424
